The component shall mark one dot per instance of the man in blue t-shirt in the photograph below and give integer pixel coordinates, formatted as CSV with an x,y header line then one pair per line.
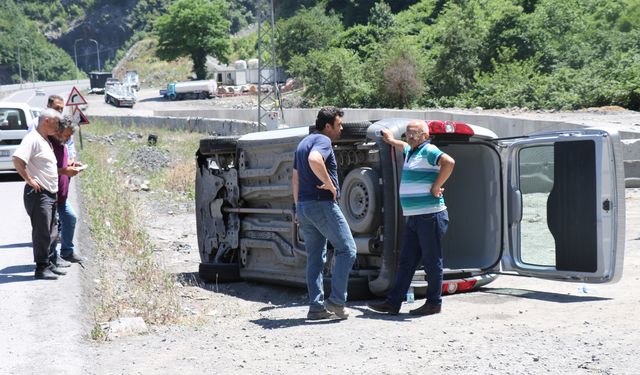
x,y
425,170
315,190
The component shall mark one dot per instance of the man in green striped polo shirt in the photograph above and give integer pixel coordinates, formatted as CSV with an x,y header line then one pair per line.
x,y
425,170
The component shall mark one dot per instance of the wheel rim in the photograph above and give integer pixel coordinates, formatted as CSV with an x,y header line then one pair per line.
x,y
358,198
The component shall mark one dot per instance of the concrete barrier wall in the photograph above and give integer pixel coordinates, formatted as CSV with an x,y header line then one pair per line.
x,y
191,124
238,122
502,125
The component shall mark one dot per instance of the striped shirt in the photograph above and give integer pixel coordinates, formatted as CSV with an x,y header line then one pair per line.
x,y
418,174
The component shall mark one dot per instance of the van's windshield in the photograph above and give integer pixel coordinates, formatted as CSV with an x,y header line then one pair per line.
x,y
12,119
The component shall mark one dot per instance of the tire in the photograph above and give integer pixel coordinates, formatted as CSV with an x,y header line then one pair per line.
x,y
360,200
203,217
212,145
219,272
350,130
202,95
172,97
355,129
106,99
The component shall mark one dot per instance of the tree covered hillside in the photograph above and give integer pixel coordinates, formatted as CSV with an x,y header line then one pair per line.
x,y
489,53
366,53
26,51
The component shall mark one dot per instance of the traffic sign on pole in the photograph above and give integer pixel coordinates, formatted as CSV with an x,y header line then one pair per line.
x,y
79,117
75,98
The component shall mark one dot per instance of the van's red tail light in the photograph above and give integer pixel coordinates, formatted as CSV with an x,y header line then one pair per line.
x,y
458,286
449,127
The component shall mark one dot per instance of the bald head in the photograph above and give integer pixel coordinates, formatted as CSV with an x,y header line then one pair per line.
x,y
420,125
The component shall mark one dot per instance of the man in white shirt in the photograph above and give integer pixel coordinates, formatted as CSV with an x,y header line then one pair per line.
x,y
36,163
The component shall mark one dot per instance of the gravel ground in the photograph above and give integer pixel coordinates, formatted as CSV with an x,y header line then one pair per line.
x,y
512,326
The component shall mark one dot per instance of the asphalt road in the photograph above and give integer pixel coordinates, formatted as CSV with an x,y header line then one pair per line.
x,y
41,328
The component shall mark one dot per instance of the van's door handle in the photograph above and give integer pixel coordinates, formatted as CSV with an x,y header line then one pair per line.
x,y
515,206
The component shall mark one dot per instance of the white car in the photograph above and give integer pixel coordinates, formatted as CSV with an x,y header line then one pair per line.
x,y
40,92
547,205
15,119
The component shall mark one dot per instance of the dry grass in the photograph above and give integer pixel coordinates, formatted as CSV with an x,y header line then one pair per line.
x,y
130,280
152,71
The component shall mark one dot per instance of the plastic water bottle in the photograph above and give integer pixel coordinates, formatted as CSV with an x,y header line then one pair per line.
x,y
410,296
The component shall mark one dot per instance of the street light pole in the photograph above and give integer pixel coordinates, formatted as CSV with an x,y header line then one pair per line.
x,y
75,55
98,50
19,66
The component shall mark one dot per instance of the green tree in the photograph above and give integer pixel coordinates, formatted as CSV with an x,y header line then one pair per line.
x,y
310,29
332,76
455,54
396,72
194,28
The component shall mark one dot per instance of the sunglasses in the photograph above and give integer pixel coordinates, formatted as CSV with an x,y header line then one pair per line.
x,y
413,134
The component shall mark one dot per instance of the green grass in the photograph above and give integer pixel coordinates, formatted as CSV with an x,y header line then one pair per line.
x,y
131,282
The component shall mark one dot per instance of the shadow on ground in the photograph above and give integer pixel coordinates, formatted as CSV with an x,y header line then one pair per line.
x,y
541,296
10,274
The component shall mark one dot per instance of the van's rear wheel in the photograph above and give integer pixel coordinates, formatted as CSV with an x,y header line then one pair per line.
x,y
360,199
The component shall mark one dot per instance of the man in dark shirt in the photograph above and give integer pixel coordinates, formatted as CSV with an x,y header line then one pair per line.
x,y
66,215
315,190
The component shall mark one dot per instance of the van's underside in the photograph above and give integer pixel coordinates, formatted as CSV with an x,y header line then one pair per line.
x,y
245,209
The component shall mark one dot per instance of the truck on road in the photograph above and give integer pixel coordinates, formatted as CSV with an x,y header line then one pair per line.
x,y
119,95
97,81
204,89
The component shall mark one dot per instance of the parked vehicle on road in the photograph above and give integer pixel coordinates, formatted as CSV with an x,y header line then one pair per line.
x,y
119,95
15,119
97,81
203,89
548,205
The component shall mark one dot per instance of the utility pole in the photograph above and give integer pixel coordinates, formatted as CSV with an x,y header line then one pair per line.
x,y
19,66
270,111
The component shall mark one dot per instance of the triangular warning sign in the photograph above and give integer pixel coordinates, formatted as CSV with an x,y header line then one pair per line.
x,y
75,98
79,117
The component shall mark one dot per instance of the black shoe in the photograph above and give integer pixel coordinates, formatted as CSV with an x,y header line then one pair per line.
x,y
384,307
426,309
56,270
60,263
319,315
74,258
45,274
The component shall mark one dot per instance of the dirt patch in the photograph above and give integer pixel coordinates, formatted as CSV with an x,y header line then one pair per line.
x,y
512,326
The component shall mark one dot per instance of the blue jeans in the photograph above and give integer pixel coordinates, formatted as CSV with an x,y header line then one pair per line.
x,y
67,219
422,240
321,221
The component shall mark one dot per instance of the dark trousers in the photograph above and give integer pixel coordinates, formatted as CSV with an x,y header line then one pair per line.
x,y
41,208
422,241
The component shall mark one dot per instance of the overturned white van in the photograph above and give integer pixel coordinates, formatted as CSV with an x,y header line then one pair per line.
x,y
547,205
